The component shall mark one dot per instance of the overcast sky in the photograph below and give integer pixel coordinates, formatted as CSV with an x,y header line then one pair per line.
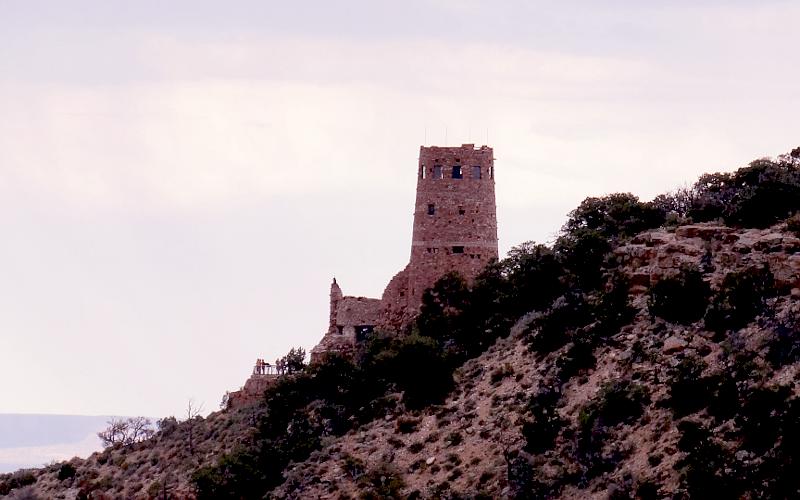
x,y
179,181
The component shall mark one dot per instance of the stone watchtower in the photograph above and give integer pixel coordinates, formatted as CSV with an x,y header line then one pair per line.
x,y
455,229
455,219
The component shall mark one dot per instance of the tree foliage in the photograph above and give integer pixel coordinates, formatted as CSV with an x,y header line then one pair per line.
x,y
294,361
681,298
126,431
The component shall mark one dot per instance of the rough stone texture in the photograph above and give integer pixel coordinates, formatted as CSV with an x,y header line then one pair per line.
x,y
253,390
674,344
650,256
464,217
455,229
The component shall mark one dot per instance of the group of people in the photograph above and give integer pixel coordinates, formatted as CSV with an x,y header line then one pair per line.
x,y
264,368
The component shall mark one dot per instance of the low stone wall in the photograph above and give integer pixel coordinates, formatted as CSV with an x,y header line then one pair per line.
x,y
253,390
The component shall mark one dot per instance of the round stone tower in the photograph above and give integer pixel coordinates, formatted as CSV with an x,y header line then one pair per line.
x,y
455,219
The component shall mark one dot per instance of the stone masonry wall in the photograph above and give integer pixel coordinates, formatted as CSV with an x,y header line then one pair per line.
x,y
455,221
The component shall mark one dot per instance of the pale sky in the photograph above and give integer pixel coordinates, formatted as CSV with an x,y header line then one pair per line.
x,y
179,181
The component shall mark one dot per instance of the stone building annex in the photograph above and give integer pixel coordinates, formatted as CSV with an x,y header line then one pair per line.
x,y
455,229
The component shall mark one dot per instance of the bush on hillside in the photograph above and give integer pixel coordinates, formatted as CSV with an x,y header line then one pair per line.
x,y
766,192
740,299
66,471
614,216
293,362
682,298
15,480
793,224
415,365
705,464
759,195
613,308
620,401
442,309
533,274
677,204
783,346
582,253
542,428
551,330
581,322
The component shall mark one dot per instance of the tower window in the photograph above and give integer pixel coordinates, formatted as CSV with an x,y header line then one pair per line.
x,y
422,171
431,209
457,172
491,172
458,249
476,172
363,332
437,172
461,211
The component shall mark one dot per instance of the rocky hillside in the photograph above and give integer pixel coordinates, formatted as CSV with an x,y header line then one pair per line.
x,y
147,469
623,426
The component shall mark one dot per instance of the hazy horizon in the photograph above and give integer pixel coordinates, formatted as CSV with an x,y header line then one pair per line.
x,y
32,440
179,182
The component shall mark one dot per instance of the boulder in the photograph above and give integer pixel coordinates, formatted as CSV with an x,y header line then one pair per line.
x,y
674,344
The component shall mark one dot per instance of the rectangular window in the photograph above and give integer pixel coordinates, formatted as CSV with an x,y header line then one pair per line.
x,y
461,211
476,172
457,172
422,171
437,172
458,249
431,209
363,332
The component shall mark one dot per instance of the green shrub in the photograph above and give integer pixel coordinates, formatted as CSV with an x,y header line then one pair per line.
x,y
760,415
705,464
66,471
783,346
381,483
406,425
613,309
582,253
689,392
759,195
543,426
614,216
620,401
454,438
578,356
740,299
551,330
680,299
501,372
16,480
354,467
416,366
533,279
793,224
